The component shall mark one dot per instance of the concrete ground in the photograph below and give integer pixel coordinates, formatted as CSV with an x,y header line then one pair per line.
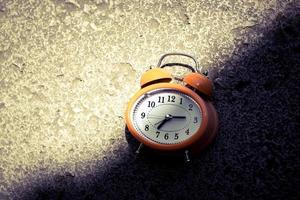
x,y
68,67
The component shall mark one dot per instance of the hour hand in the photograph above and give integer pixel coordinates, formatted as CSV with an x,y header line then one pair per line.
x,y
162,123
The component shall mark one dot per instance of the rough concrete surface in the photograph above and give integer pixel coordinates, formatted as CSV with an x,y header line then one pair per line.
x,y
68,67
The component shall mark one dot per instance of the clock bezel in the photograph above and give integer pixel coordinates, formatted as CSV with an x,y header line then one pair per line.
x,y
169,147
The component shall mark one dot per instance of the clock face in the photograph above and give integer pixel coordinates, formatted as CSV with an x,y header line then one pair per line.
x,y
166,116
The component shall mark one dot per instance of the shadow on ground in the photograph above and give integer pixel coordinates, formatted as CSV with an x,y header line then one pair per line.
x,y
255,155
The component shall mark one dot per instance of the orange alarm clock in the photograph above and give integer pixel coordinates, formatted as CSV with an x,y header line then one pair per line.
x,y
173,117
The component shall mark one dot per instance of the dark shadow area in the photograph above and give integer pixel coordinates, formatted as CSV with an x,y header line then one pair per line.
x,y
256,152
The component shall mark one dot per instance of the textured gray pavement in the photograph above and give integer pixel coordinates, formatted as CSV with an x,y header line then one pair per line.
x,y
67,69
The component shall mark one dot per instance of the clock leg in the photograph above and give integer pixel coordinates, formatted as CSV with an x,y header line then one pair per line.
x,y
139,148
186,156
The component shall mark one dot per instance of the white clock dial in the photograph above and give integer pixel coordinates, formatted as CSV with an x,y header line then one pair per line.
x,y
166,116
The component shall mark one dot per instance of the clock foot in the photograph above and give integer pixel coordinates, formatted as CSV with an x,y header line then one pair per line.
x,y
139,148
186,156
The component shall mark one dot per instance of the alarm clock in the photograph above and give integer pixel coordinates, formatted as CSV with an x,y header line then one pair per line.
x,y
173,114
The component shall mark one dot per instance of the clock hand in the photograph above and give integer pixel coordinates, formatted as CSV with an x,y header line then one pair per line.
x,y
163,122
180,117
159,122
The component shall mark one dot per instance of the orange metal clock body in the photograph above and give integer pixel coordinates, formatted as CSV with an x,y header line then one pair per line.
x,y
170,117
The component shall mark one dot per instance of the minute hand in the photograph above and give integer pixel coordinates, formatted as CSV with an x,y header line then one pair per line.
x,y
182,117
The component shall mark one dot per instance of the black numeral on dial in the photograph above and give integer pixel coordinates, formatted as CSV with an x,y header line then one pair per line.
x,y
190,107
195,120
171,98
166,136
157,134
187,131
161,99
151,104
176,136
147,127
